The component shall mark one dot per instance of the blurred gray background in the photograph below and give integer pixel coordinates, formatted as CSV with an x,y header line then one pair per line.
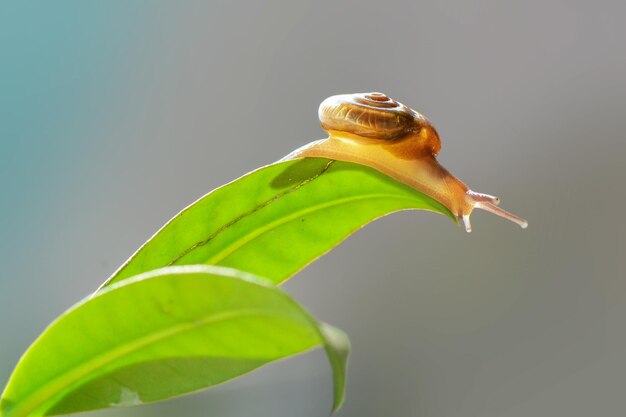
x,y
115,115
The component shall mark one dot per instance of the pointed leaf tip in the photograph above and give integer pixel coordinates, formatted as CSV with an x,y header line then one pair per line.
x,y
337,346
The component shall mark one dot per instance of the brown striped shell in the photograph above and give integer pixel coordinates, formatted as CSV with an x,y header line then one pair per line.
x,y
371,115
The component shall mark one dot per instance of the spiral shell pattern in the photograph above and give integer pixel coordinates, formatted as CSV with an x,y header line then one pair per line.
x,y
371,115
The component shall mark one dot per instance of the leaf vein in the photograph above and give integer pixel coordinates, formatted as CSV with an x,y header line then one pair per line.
x,y
249,213
47,394
221,255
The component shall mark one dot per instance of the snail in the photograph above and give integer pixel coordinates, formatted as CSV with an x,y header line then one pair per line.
x,y
374,130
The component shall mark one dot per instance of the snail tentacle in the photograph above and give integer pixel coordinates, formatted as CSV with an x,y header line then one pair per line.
x,y
492,208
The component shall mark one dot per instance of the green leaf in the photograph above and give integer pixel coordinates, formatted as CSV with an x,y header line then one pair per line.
x,y
278,219
163,334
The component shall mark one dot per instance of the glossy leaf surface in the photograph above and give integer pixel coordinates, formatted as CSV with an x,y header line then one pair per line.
x,y
163,334
278,219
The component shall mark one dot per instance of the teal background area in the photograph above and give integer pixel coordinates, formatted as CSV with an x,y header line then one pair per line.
x,y
115,115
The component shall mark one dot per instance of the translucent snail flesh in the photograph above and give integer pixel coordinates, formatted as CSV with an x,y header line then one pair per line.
x,y
374,130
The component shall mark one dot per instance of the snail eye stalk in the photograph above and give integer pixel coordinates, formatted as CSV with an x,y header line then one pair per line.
x,y
492,208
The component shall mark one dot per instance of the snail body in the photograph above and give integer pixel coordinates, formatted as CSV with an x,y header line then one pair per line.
x,y
374,130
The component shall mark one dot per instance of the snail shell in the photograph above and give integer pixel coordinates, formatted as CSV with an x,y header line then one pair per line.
x,y
375,116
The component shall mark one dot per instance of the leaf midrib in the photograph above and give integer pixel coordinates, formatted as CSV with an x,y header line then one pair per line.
x,y
237,244
38,398
225,225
